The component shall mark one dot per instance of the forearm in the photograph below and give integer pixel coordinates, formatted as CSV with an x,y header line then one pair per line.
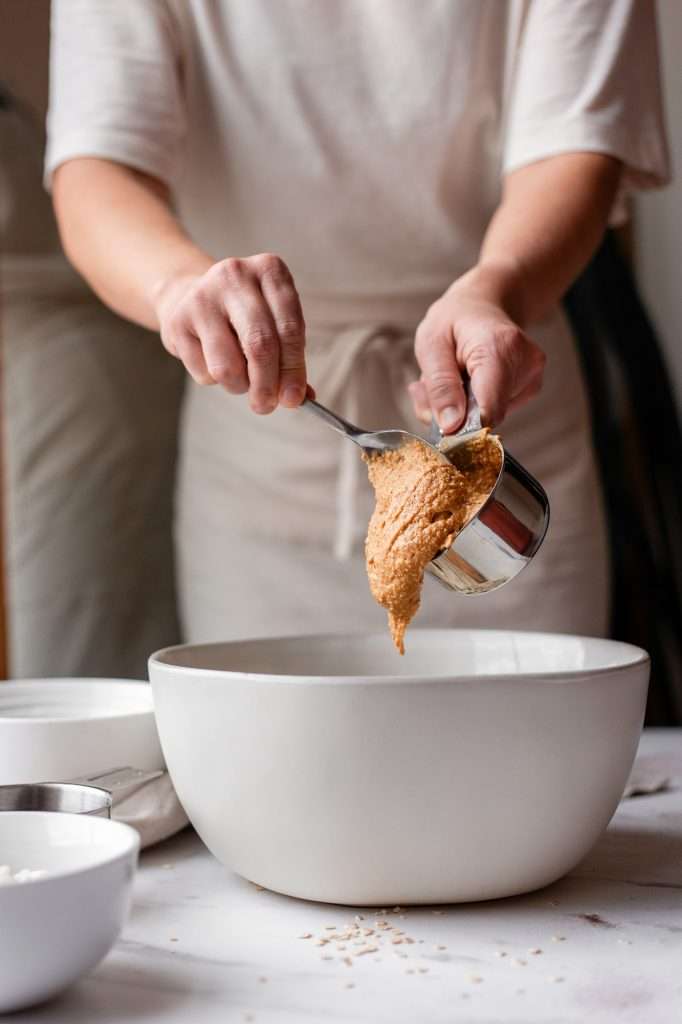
x,y
551,219
119,231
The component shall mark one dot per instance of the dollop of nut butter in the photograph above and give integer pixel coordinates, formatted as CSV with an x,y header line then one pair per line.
x,y
422,503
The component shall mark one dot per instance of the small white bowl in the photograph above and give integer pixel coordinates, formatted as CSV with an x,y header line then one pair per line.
x,y
57,927
52,730
482,764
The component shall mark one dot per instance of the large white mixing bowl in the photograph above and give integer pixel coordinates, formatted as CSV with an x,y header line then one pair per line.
x,y
482,764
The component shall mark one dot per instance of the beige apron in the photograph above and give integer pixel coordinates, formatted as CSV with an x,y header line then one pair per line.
x,y
272,511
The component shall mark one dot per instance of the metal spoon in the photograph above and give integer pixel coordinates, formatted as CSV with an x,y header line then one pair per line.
x,y
369,440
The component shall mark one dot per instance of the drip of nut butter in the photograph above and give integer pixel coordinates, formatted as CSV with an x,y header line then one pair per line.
x,y
422,503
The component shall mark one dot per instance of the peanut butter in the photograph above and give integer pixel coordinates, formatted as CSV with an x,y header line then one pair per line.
x,y
422,503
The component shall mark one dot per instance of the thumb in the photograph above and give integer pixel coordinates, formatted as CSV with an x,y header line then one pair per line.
x,y
441,378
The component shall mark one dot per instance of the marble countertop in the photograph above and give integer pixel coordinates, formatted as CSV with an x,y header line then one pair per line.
x,y
603,945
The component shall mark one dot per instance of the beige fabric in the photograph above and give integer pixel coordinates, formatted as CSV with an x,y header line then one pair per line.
x,y
89,427
90,414
153,809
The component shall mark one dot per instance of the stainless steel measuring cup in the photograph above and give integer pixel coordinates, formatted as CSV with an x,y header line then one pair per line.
x,y
507,531
93,795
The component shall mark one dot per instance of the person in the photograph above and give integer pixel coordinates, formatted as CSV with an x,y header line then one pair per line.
x,y
374,200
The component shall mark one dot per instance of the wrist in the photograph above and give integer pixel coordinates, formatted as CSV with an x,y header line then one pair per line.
x,y
167,290
499,282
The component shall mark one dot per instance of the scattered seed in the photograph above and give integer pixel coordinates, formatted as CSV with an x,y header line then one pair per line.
x,y
341,948
330,927
624,942
501,953
535,952
347,961
306,935
476,978
350,984
326,956
423,970
518,963
359,917
556,980
173,939
439,948
558,938
397,942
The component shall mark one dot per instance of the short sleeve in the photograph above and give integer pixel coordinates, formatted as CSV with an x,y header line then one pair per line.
x,y
586,77
115,85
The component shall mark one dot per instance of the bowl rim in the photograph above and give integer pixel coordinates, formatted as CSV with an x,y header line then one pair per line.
x,y
15,721
638,657
132,848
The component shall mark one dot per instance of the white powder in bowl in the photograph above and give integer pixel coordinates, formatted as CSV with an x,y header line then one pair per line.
x,y
8,877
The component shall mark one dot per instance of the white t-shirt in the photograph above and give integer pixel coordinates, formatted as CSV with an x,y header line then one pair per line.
x,y
362,140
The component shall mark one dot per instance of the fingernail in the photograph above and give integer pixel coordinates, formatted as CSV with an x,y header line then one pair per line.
x,y
264,405
293,394
448,418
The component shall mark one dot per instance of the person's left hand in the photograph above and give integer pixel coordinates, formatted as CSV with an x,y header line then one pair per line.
x,y
468,331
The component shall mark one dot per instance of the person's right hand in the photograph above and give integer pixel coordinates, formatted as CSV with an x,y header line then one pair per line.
x,y
239,324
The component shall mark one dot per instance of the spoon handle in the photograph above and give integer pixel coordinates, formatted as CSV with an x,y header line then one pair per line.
x,y
337,423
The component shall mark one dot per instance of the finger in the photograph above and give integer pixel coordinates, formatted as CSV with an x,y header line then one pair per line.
x,y
280,293
255,328
530,390
523,397
435,353
502,364
491,385
189,351
420,401
222,353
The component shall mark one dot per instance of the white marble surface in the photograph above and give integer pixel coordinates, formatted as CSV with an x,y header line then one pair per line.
x,y
203,946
